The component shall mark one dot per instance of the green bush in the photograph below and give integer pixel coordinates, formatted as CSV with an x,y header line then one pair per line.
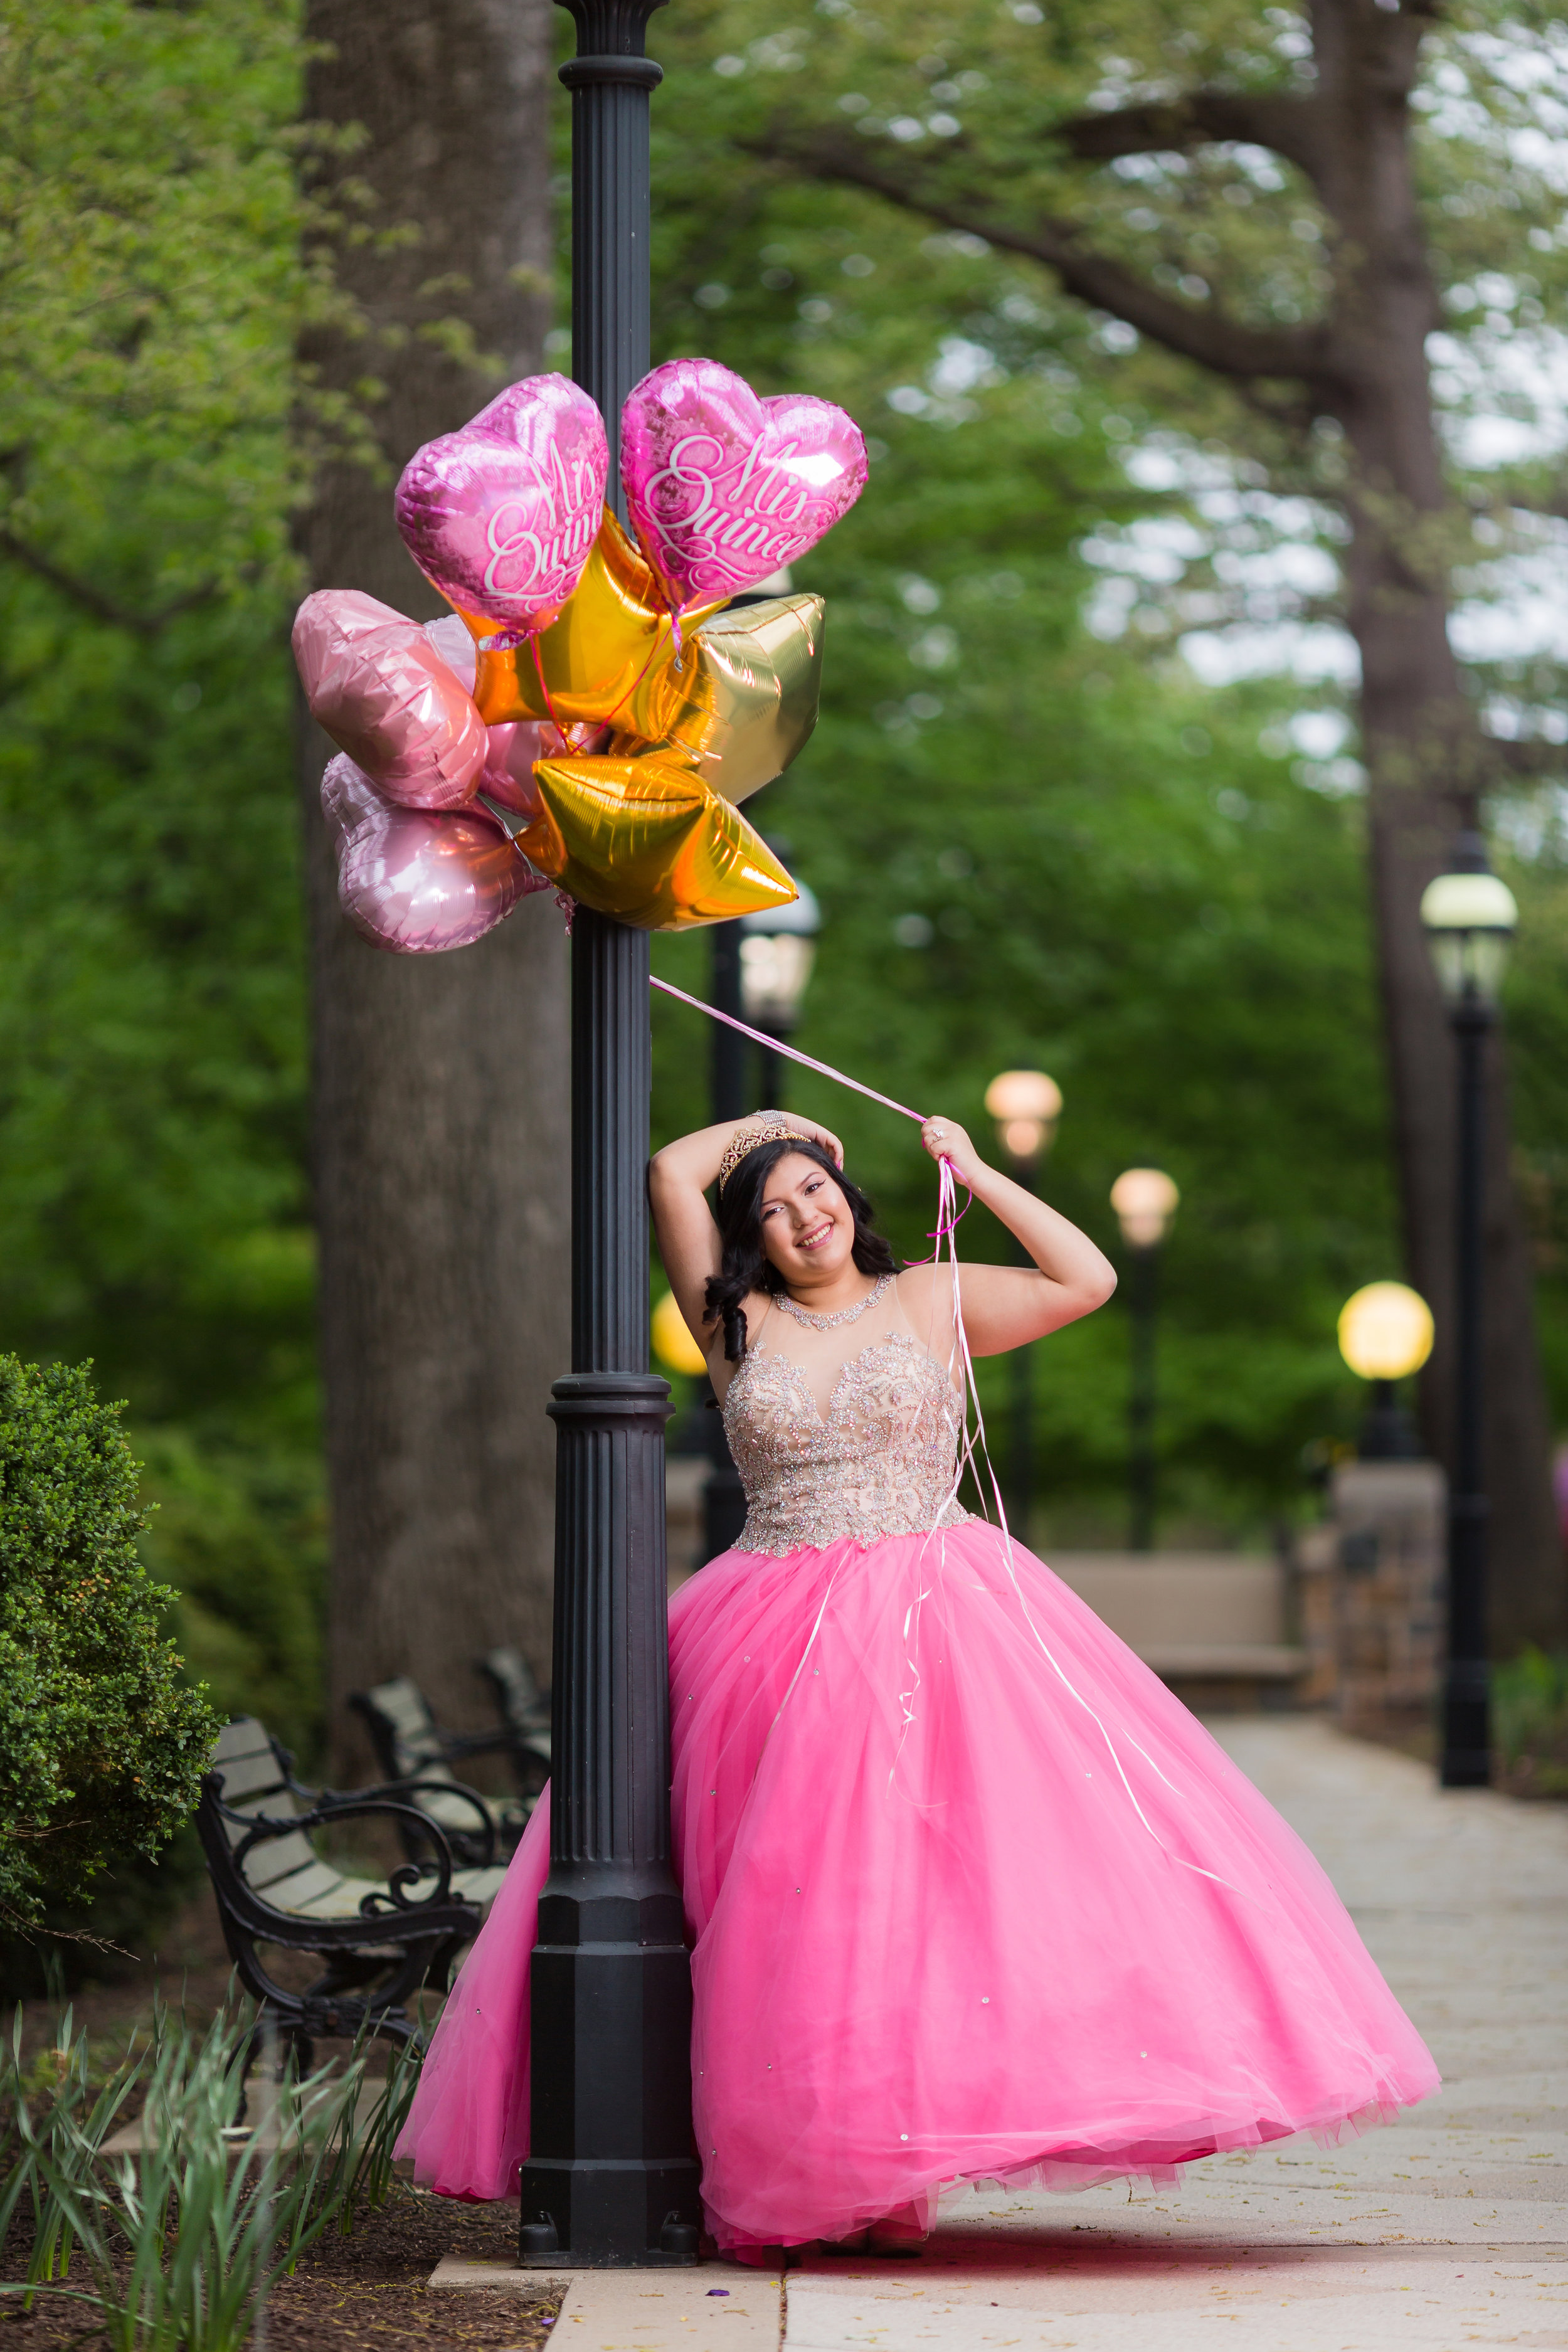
x,y
1529,1712
102,1742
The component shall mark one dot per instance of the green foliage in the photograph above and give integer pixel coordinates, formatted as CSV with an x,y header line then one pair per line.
x,y
1529,1709
182,2241
110,1935
240,1533
101,1744
153,1194
1035,845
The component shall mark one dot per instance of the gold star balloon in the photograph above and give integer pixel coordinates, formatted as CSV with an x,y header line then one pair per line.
x,y
648,842
648,828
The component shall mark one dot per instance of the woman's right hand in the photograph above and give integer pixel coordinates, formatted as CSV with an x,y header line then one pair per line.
x,y
806,1128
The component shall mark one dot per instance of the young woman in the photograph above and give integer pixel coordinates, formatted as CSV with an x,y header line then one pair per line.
x,y
970,1896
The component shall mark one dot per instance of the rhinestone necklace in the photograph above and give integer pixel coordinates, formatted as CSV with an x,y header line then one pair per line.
x,y
845,1314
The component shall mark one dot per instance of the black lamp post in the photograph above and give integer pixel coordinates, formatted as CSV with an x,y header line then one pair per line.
x,y
778,947
612,2176
723,1496
1025,1106
1469,919
1144,1200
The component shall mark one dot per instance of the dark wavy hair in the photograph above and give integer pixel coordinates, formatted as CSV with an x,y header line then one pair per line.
x,y
745,1265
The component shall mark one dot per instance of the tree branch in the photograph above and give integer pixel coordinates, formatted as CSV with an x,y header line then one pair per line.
x,y
1292,127
93,599
1208,336
1528,756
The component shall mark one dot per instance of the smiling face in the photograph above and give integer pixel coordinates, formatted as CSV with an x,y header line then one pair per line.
x,y
808,1231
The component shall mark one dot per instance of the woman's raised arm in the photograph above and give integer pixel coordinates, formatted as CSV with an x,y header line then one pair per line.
x,y
677,1180
1007,1305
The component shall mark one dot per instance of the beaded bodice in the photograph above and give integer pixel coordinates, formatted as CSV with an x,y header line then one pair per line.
x,y
874,1458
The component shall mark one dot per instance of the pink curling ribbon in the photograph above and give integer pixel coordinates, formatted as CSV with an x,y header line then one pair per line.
x,y
972,1448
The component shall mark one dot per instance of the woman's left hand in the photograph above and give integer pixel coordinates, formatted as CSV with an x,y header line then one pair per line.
x,y
945,1139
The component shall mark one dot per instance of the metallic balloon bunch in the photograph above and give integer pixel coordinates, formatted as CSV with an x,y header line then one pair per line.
x,y
587,719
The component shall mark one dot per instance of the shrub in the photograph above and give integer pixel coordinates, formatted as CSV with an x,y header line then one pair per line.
x,y
102,1743
1529,1709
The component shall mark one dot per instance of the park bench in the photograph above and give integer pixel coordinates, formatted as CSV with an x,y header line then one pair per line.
x,y
410,1745
382,1941
523,1708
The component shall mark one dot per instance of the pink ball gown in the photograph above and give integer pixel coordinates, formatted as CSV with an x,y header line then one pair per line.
x,y
971,1897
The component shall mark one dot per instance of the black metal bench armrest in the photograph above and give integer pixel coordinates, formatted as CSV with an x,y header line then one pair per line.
x,y
474,1743
513,1741
486,1809
380,1902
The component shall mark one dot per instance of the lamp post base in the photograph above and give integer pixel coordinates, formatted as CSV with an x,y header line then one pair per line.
x,y
1467,1758
586,2215
612,2181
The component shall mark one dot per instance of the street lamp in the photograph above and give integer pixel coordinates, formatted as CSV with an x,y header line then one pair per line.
x,y
1385,1335
1470,917
1144,1200
1025,1106
610,2179
778,948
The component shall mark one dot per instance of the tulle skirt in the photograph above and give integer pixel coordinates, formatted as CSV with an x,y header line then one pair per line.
x,y
970,1897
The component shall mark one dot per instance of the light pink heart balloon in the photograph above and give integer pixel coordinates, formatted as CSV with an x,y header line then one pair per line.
x,y
417,881
507,776
723,488
376,684
500,515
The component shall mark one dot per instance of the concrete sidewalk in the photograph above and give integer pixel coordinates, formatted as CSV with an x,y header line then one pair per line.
x,y
1446,2230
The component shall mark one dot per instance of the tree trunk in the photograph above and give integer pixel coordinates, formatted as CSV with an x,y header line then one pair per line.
x,y
441,1108
1427,764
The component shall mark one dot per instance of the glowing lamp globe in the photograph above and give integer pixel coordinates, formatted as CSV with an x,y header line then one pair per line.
x,y
673,1344
1385,1331
1025,1106
1144,1200
1469,919
778,950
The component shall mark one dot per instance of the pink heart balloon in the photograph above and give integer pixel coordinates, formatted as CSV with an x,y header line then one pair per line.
x,y
722,487
376,683
507,776
500,515
418,881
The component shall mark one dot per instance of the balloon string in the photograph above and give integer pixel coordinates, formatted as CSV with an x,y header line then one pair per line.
x,y
652,651
777,1045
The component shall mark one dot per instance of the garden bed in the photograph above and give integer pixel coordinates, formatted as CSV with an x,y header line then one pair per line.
x,y
367,2288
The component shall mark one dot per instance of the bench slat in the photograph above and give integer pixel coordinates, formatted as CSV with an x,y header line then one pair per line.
x,y
297,1890
274,1858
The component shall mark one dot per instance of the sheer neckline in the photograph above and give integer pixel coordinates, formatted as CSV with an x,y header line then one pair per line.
x,y
802,1378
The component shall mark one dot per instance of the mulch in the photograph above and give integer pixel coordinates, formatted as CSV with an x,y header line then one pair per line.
x,y
369,2288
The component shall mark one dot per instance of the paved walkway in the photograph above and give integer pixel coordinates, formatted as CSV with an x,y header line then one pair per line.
x,y
1447,2230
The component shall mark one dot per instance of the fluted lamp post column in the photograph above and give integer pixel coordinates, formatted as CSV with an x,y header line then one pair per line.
x,y
611,2178
1025,1106
1470,917
1144,1200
